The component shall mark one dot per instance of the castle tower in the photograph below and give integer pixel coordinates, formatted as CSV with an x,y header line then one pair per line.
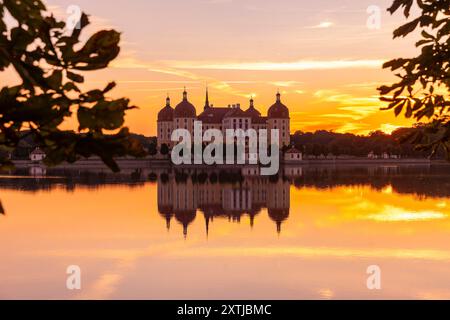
x,y
165,124
184,115
278,118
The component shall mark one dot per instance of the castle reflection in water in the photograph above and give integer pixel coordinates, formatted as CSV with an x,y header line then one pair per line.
x,y
223,194
186,194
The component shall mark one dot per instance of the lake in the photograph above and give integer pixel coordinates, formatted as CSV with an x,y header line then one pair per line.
x,y
309,233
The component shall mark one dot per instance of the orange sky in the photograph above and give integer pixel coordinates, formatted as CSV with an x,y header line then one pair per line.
x,y
321,56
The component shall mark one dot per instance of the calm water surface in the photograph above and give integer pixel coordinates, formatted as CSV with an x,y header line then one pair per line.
x,y
170,234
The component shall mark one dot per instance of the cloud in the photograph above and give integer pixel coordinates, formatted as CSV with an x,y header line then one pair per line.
x,y
279,66
352,127
322,25
336,115
364,85
360,112
128,61
285,83
388,128
354,107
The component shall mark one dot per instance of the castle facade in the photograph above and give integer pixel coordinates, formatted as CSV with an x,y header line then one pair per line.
x,y
184,115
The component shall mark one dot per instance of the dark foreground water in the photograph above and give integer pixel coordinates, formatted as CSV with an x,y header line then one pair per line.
x,y
310,232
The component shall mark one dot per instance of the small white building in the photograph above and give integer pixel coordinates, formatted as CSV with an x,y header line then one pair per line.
x,y
37,155
293,155
372,155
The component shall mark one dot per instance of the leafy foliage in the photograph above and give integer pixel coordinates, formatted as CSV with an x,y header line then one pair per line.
x,y
328,143
164,149
424,81
48,58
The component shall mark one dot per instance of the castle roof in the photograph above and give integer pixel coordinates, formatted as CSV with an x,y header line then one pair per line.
x,y
37,151
293,150
166,113
213,115
278,110
252,112
236,113
184,109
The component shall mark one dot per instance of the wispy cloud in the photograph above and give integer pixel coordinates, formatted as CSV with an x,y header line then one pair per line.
x,y
129,61
364,85
322,25
388,128
285,83
353,127
278,66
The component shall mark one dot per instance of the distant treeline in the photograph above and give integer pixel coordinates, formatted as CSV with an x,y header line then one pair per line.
x,y
334,144
312,144
27,144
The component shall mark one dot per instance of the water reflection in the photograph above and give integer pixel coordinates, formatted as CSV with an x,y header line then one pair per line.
x,y
184,194
333,223
222,194
233,194
421,180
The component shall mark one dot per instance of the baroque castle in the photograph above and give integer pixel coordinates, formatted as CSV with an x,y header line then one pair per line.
x,y
184,115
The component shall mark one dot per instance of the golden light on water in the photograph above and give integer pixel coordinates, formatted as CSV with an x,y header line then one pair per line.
x,y
326,243
393,214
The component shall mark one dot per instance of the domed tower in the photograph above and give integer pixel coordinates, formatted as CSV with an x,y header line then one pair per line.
x,y
252,111
185,203
165,201
278,118
278,201
165,124
184,115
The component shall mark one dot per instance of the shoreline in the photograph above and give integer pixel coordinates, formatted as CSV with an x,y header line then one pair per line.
x,y
158,163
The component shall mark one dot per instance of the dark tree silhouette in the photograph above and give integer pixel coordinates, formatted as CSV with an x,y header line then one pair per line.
x,y
48,59
164,149
152,149
424,81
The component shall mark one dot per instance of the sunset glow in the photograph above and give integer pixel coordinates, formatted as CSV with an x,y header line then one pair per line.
x,y
321,55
